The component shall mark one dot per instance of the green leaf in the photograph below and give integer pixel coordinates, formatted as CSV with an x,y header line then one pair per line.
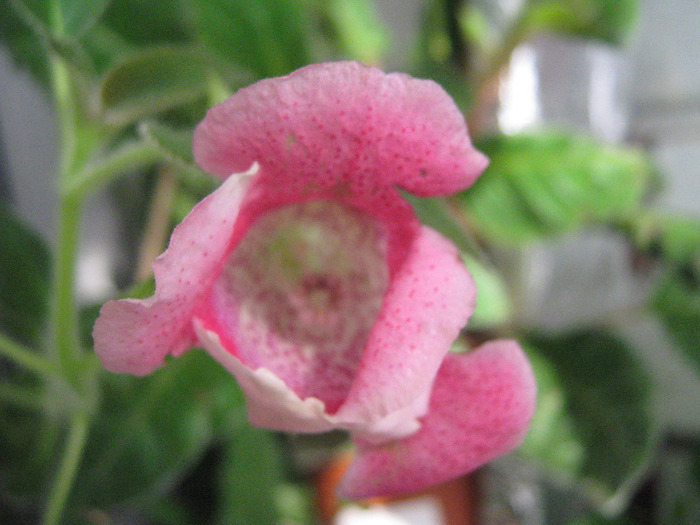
x,y
25,276
542,185
608,399
493,306
251,478
610,21
152,81
675,240
552,441
359,29
434,212
266,38
71,18
23,43
141,23
151,430
175,143
676,300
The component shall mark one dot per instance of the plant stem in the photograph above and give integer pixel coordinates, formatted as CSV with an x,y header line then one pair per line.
x,y
24,356
130,155
65,316
75,445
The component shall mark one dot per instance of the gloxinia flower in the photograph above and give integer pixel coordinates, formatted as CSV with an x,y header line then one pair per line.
x,y
309,277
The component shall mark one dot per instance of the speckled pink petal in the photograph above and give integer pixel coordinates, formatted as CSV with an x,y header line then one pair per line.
x,y
134,336
428,302
342,125
272,404
480,408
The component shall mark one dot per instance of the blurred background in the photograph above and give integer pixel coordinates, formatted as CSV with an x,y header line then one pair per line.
x,y
630,83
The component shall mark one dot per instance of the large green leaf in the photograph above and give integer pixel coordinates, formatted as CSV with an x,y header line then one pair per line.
x,y
542,185
266,38
151,430
25,274
607,396
151,81
608,20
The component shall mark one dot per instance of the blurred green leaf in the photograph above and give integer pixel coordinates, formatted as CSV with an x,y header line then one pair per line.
x,y
676,301
141,23
69,18
673,239
552,440
151,430
266,38
359,29
151,81
175,143
25,275
251,477
674,243
434,212
493,306
610,21
24,44
608,398
542,185
79,16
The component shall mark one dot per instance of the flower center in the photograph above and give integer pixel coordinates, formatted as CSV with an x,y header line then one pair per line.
x,y
307,282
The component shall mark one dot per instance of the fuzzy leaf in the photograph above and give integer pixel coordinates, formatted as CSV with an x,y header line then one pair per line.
x,y
151,430
608,398
251,475
542,185
151,81
266,38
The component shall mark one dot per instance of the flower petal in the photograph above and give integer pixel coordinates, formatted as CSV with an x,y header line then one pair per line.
x,y
271,403
339,125
428,301
134,336
480,408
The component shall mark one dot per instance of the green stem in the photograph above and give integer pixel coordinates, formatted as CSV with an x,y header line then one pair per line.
x,y
130,155
24,356
65,317
66,114
75,445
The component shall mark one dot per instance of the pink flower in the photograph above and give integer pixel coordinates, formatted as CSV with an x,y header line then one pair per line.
x,y
309,277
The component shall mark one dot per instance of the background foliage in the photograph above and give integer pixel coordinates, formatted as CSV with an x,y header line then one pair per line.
x,y
129,80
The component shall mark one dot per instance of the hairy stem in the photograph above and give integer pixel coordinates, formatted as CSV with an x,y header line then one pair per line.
x,y
75,445
25,357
